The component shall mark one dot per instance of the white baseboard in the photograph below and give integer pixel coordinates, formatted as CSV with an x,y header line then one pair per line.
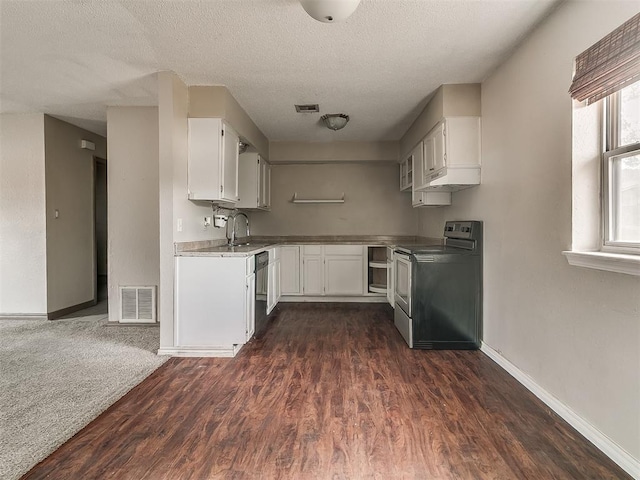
x,y
306,298
201,352
628,463
23,316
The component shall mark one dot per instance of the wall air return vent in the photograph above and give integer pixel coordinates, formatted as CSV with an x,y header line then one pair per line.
x,y
309,108
138,304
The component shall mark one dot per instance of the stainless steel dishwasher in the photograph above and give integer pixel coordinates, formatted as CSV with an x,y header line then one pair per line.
x,y
262,282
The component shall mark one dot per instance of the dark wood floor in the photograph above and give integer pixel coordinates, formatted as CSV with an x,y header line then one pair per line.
x,y
330,391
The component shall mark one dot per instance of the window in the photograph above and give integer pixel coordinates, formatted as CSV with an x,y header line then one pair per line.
x,y
606,153
621,172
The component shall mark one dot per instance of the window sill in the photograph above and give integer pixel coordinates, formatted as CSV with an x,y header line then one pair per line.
x,y
612,262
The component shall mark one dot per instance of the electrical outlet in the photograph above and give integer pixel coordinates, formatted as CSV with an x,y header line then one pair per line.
x,y
207,222
179,226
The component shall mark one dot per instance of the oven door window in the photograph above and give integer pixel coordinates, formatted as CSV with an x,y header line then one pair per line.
x,y
403,283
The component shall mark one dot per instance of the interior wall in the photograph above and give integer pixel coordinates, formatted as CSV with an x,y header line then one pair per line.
x,y
23,255
133,173
69,170
574,331
330,152
373,203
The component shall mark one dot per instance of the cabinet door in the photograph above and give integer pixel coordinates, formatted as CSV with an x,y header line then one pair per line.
x,y
417,159
248,181
229,189
406,174
265,185
390,280
250,306
290,274
312,274
210,305
204,159
429,165
273,289
440,153
278,282
344,275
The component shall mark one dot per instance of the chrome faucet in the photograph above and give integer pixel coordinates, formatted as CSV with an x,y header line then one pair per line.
x,y
232,217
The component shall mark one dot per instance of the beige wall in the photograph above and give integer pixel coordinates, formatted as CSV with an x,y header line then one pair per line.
x,y
23,267
69,170
575,331
373,203
292,152
173,98
134,246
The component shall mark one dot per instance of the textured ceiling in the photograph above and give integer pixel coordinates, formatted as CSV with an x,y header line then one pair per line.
x,y
73,58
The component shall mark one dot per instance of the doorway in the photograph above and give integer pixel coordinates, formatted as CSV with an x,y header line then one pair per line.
x,y
101,229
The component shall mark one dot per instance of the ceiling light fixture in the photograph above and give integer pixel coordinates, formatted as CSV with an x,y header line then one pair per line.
x,y
330,11
335,121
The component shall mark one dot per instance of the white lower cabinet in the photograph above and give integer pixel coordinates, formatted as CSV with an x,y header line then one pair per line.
x,y
391,285
343,275
273,282
290,280
250,306
312,275
333,270
214,303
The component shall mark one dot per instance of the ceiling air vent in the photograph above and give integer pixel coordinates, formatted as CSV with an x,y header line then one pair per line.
x,y
137,304
309,108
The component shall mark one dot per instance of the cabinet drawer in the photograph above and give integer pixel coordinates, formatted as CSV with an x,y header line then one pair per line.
x,y
312,249
343,250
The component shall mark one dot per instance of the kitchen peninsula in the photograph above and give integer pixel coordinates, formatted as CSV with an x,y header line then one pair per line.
x,y
218,287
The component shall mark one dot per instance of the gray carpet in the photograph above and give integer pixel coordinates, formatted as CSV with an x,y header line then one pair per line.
x,y
57,376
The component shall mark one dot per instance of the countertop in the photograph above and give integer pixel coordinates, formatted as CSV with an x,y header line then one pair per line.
x,y
219,248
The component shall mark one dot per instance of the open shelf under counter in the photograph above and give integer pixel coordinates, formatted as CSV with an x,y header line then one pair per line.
x,y
378,264
378,288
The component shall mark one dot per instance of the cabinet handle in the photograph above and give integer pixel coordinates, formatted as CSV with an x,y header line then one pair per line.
x,y
221,188
431,169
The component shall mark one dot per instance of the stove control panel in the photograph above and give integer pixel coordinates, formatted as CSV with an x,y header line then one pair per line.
x,y
467,229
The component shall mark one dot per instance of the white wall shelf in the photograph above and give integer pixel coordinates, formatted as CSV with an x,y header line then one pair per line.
x,y
295,199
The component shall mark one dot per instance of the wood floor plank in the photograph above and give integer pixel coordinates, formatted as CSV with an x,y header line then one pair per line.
x,y
329,392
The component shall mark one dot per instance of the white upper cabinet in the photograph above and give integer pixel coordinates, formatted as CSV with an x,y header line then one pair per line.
x,y
213,161
265,186
434,153
406,174
254,182
418,158
452,155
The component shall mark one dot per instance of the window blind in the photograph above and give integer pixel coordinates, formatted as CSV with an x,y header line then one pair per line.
x,y
609,65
